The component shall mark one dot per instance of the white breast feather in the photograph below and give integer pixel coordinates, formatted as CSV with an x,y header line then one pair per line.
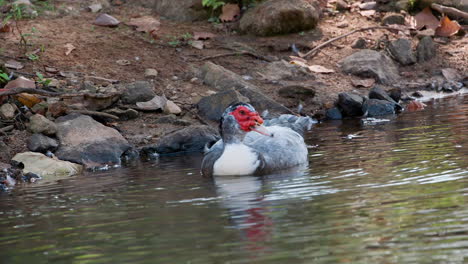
x,y
237,159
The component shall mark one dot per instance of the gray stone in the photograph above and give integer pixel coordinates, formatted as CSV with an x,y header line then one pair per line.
x,y
40,124
276,17
140,91
351,104
173,120
123,115
151,73
41,143
376,107
359,43
283,70
392,19
371,64
46,167
297,92
402,51
190,139
212,107
426,49
378,92
179,10
222,79
85,141
157,103
334,114
7,111
5,153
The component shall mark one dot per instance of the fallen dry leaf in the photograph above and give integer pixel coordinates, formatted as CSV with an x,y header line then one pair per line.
x,y
50,69
230,13
198,44
203,35
146,24
451,74
295,58
366,83
69,48
367,13
28,100
6,27
106,20
425,18
20,82
447,27
299,63
415,105
320,69
12,64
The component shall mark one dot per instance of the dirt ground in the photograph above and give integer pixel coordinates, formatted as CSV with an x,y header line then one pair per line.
x,y
98,49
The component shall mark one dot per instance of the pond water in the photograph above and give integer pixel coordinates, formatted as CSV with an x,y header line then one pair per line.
x,y
396,193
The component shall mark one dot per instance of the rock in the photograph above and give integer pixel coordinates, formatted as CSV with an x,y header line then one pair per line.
x,y
173,120
190,139
368,5
378,92
140,91
402,52
179,10
283,70
41,143
95,7
425,33
106,20
392,19
376,107
7,111
359,43
44,166
57,109
22,2
123,115
342,24
157,103
85,141
222,79
370,63
341,5
212,107
5,153
276,17
395,94
297,92
426,49
40,124
100,101
334,114
151,73
20,82
351,104
172,108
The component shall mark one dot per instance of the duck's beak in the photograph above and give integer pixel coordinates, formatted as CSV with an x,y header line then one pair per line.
x,y
259,128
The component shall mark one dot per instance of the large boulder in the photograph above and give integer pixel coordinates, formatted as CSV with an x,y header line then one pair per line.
x,y
222,79
212,107
44,166
190,139
371,64
276,17
86,141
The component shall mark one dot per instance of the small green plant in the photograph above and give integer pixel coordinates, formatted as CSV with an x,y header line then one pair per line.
x,y
42,80
4,78
183,39
213,4
33,57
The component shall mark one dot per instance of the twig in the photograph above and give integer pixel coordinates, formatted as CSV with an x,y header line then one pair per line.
x,y
93,113
453,12
236,53
36,91
326,43
6,129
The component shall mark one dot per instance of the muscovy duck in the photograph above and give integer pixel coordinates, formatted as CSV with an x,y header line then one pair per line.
x,y
248,147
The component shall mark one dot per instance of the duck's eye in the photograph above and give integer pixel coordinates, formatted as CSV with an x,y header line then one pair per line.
x,y
242,112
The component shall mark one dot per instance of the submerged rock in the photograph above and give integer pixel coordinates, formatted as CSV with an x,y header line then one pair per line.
x,y
373,64
280,17
86,141
190,139
376,107
334,114
44,166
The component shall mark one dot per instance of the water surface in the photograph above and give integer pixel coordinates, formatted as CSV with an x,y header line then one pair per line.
x,y
396,193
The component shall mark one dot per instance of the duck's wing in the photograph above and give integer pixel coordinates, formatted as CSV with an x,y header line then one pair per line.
x,y
300,124
285,149
211,155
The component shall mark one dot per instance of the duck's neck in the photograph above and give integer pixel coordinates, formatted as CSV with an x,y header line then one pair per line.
x,y
231,133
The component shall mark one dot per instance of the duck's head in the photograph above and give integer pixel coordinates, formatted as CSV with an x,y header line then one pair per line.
x,y
240,118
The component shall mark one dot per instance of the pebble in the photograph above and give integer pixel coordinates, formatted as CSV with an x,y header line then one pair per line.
x,y
150,73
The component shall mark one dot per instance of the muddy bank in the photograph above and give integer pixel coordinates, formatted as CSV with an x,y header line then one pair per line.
x,y
108,93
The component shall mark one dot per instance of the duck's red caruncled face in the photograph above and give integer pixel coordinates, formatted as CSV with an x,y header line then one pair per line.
x,y
246,118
